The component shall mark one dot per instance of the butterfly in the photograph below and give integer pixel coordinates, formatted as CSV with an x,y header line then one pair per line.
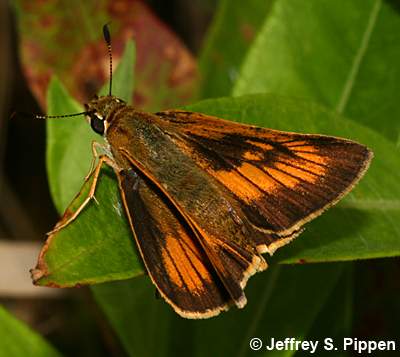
x,y
206,197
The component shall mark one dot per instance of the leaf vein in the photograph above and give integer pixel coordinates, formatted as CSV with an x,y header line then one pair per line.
x,y
348,87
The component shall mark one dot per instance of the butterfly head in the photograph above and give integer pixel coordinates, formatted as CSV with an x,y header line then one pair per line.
x,y
100,110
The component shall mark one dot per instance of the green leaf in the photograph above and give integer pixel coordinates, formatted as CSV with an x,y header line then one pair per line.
x,y
17,339
98,246
334,52
233,30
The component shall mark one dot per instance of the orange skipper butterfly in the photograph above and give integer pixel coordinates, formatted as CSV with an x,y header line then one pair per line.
x,y
206,197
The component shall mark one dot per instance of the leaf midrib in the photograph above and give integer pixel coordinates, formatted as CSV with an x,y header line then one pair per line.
x,y
365,204
360,54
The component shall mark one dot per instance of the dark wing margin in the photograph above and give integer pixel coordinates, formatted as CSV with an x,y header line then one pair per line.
x,y
175,261
280,180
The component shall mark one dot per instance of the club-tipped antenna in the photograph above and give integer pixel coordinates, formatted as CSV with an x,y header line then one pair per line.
x,y
107,38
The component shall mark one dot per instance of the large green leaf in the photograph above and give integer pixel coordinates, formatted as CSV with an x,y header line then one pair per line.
x,y
233,30
339,53
18,340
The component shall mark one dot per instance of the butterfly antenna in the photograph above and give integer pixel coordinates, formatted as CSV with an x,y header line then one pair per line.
x,y
37,116
107,38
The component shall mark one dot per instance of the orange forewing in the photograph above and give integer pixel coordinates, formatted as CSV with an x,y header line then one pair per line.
x,y
280,180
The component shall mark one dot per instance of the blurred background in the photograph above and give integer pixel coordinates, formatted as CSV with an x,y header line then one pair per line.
x,y
41,38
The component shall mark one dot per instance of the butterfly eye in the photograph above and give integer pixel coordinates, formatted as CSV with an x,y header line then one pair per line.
x,y
97,124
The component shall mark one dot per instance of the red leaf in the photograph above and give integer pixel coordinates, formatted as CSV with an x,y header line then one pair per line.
x,y
65,38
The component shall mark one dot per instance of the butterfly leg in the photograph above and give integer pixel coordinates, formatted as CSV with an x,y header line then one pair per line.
x,y
68,218
95,145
